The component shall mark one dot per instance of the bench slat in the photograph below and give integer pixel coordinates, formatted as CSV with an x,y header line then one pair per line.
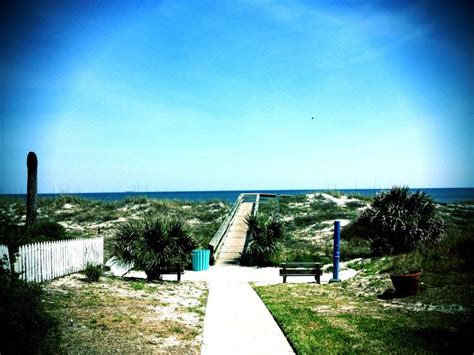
x,y
297,264
299,272
173,269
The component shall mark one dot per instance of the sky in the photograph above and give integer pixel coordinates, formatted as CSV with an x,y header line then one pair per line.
x,y
241,94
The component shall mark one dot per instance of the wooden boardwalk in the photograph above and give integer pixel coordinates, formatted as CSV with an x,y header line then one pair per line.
x,y
234,242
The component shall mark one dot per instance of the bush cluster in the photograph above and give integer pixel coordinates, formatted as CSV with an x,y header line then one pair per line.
x,y
398,221
152,245
93,272
264,236
13,235
25,325
46,230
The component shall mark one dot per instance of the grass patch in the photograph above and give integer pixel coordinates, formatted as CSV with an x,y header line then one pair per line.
x,y
333,319
117,316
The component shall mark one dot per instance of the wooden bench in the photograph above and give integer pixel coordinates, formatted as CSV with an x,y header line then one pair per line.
x,y
301,269
178,269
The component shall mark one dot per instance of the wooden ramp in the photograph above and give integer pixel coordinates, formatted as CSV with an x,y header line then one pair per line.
x,y
234,242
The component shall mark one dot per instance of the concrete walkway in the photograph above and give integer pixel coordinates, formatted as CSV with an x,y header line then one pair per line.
x,y
237,322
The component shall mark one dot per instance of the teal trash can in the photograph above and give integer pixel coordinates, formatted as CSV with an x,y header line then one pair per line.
x,y
201,259
207,258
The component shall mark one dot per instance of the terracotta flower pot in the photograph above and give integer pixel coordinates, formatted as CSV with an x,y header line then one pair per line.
x,y
406,285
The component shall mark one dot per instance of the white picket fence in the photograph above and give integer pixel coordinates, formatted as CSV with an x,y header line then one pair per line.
x,y
45,261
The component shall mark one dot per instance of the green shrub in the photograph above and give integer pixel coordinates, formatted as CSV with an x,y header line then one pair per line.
x,y
406,263
311,254
45,230
26,326
12,236
152,245
264,236
399,221
204,232
305,220
135,200
455,252
355,248
355,204
93,272
361,197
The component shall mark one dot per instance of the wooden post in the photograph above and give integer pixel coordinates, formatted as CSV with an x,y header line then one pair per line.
x,y
257,205
31,188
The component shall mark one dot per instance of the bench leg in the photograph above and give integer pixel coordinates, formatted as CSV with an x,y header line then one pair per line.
x,y
179,275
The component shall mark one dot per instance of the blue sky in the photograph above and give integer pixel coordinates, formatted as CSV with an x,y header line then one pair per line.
x,y
219,95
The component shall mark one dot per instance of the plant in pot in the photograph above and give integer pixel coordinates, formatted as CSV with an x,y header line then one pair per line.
x,y
405,274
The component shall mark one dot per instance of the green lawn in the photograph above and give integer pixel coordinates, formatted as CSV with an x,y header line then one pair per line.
x,y
350,318
336,319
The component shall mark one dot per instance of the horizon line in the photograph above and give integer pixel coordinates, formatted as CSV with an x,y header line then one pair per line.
x,y
238,190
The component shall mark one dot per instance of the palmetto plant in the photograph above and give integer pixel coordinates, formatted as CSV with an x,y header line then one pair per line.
x,y
264,236
152,245
399,221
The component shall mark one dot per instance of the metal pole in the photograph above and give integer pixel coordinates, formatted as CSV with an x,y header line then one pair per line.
x,y
337,252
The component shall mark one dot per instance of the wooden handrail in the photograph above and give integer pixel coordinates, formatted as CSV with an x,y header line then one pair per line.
x,y
257,204
216,241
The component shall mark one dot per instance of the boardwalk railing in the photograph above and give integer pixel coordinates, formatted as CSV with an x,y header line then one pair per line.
x,y
45,261
219,237
216,241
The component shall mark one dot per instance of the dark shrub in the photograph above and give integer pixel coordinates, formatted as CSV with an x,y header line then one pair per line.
x,y
93,272
355,248
264,236
45,230
25,325
404,264
399,221
355,204
12,235
152,245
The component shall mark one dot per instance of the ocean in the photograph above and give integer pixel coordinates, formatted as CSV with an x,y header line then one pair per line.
x,y
441,195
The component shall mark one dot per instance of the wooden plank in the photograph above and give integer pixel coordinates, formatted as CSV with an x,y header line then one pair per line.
x,y
301,272
300,264
216,241
172,270
267,195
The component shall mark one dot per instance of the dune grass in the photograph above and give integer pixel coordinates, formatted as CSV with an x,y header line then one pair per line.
x,y
307,221
84,218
